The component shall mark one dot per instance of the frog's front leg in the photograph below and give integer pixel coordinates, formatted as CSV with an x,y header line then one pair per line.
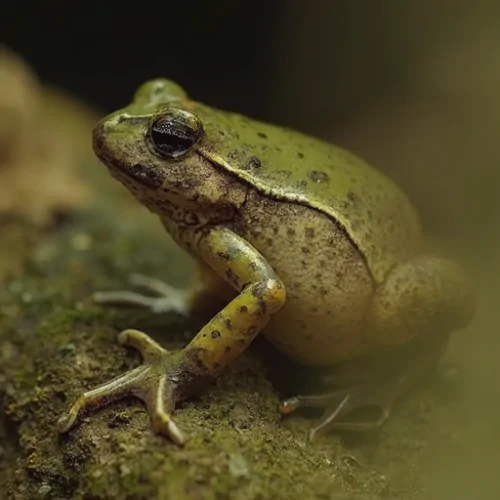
x,y
165,298
206,295
166,378
412,315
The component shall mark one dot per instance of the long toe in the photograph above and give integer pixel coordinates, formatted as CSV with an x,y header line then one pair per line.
x,y
103,395
149,382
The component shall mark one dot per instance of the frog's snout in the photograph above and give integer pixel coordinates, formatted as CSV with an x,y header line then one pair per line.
x,y
98,142
102,141
101,146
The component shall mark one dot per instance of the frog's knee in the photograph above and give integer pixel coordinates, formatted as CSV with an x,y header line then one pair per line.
x,y
423,294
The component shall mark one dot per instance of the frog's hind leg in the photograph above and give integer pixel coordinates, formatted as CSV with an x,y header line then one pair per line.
x,y
412,315
368,387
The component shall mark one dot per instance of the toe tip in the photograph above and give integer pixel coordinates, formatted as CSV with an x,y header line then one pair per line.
x,y
175,434
288,406
64,424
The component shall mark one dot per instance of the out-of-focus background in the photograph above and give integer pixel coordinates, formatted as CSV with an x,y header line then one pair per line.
x,y
412,86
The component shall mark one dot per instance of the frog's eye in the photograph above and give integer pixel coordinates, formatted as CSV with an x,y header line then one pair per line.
x,y
175,132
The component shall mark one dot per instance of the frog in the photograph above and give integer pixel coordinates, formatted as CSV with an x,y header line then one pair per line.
x,y
293,237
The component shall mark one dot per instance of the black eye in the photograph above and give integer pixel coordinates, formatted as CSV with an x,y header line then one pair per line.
x,y
175,132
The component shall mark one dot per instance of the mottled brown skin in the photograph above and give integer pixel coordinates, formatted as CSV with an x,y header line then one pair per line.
x,y
327,262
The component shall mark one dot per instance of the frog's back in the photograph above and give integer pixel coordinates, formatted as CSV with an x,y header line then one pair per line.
x,y
288,165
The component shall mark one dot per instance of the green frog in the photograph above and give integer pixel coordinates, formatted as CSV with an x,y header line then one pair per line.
x,y
295,238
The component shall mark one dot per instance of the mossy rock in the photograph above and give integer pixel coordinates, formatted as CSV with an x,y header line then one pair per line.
x,y
56,343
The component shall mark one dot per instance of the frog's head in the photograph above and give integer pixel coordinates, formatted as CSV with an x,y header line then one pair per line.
x,y
155,147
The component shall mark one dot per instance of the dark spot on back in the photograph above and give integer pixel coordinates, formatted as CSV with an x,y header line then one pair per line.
x,y
284,173
262,135
300,155
253,162
318,176
309,232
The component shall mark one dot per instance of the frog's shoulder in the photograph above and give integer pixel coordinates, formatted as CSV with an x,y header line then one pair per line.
x,y
290,166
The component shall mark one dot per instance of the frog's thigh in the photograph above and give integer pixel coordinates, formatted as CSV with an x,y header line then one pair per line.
x,y
423,294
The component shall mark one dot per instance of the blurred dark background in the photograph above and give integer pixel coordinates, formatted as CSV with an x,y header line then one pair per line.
x,y
222,52
410,86
306,63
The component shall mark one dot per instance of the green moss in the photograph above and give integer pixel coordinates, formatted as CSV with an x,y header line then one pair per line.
x,y
62,320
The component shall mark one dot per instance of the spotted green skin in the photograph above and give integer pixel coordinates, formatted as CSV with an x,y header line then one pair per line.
x,y
289,166
342,238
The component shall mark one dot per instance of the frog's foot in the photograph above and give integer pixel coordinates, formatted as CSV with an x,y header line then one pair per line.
x,y
166,298
341,404
150,382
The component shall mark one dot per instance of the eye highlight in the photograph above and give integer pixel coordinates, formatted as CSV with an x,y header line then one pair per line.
x,y
174,132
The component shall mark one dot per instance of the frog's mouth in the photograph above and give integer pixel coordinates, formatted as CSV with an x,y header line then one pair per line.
x,y
139,173
142,174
